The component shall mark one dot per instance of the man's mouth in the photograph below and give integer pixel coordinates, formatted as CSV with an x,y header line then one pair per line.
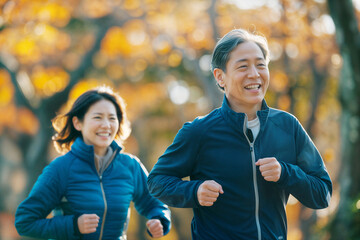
x,y
253,86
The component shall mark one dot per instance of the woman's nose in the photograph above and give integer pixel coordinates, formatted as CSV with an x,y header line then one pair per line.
x,y
105,123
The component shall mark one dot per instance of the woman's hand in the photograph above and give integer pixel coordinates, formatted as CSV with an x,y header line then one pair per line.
x,y
88,223
155,228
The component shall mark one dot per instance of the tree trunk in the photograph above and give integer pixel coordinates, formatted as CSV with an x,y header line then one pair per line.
x,y
348,38
36,154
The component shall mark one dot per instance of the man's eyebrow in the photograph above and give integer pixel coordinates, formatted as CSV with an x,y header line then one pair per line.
x,y
245,59
242,60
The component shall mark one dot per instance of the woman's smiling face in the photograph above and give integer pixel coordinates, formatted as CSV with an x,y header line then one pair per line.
x,y
246,78
99,126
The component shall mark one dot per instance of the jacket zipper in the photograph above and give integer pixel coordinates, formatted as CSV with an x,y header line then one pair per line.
x,y
103,193
256,191
105,208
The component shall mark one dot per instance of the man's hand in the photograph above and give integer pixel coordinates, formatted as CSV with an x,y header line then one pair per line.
x,y
155,228
270,169
208,192
88,223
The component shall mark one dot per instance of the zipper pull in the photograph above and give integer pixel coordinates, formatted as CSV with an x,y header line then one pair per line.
x,y
101,178
251,148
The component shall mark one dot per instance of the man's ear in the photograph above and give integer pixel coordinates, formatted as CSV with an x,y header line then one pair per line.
x,y
77,123
219,76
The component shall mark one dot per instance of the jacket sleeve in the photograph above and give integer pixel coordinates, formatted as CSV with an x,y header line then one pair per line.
x,y
308,180
30,217
145,204
165,180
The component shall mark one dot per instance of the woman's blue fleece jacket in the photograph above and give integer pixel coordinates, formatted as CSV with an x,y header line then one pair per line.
x,y
215,147
74,177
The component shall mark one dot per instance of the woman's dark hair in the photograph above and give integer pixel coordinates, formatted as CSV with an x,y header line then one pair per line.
x,y
63,124
230,41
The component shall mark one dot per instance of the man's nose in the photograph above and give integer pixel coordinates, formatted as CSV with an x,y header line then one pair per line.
x,y
253,72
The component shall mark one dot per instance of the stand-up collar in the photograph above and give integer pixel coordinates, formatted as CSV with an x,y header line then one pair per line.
x,y
237,119
86,152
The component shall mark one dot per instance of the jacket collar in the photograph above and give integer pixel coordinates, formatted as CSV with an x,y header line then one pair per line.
x,y
86,152
237,120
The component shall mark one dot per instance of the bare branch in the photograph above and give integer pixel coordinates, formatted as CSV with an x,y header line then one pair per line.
x,y
20,97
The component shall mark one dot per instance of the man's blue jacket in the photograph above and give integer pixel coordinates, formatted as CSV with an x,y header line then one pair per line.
x,y
74,177
215,147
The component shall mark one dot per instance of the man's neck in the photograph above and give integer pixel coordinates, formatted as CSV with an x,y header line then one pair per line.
x,y
249,110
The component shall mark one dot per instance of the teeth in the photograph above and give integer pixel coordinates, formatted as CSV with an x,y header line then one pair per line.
x,y
103,134
255,86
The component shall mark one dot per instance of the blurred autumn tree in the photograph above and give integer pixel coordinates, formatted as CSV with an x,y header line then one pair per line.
x,y
346,224
157,55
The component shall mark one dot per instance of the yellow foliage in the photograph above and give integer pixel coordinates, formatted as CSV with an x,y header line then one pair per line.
x,y
71,61
167,7
50,80
20,119
225,21
32,42
135,33
131,4
114,70
6,88
180,41
140,65
7,116
54,12
100,60
322,112
302,109
6,95
27,122
139,98
284,102
162,46
151,4
329,155
174,58
27,50
279,81
116,43
51,39
294,234
96,8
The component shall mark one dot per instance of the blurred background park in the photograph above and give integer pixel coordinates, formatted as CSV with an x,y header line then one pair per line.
x,y
156,54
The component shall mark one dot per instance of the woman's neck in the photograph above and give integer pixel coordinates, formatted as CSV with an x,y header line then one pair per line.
x,y
101,152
